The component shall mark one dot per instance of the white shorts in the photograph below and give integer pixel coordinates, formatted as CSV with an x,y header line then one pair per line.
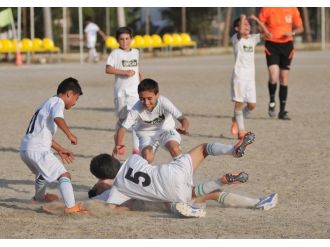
x,y
45,164
156,139
123,104
243,91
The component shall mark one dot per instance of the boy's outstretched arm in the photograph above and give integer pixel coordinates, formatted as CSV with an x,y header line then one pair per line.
x,y
64,127
119,148
263,29
66,155
184,126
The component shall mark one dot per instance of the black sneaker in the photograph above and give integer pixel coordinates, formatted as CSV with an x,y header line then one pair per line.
x,y
234,178
283,115
242,143
271,109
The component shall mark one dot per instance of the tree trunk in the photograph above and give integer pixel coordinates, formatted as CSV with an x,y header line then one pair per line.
x,y
227,27
121,17
183,20
308,34
48,31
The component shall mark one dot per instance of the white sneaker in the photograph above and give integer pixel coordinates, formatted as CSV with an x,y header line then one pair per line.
x,y
187,211
267,202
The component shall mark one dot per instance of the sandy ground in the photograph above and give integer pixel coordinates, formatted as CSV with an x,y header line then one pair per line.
x,y
288,157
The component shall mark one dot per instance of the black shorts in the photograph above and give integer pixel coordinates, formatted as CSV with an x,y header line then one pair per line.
x,y
279,53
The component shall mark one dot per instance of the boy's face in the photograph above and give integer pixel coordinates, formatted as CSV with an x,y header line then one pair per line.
x,y
70,99
246,28
148,99
124,41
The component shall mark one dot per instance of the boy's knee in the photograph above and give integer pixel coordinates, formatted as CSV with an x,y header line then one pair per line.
x,y
148,154
251,106
66,174
174,148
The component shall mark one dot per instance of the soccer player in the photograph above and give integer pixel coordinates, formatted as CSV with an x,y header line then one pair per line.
x,y
35,149
243,88
152,117
173,182
125,65
91,30
283,23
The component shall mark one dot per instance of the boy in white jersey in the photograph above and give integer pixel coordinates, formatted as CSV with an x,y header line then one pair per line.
x,y
125,65
152,117
91,30
35,149
243,88
173,182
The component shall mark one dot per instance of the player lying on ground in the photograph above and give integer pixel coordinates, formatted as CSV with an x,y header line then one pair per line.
x,y
172,182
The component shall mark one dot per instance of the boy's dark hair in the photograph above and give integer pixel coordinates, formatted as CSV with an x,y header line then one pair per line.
x,y
89,19
236,22
122,30
69,84
148,85
104,166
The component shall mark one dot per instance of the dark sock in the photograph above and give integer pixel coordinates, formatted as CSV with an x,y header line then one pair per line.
x,y
272,91
283,95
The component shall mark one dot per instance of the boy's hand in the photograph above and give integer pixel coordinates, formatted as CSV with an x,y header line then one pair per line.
x,y
73,139
66,156
119,150
253,17
182,131
130,73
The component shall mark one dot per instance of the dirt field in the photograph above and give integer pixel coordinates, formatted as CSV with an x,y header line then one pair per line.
x,y
288,157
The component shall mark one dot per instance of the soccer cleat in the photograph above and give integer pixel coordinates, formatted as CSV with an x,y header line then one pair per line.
x,y
77,209
48,198
271,109
267,202
187,211
240,147
234,127
283,115
234,178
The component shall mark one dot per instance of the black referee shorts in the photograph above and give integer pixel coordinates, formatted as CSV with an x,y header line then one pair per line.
x,y
279,53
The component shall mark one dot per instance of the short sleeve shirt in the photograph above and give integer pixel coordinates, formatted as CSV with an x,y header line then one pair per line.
x,y
42,127
279,20
125,60
91,32
159,119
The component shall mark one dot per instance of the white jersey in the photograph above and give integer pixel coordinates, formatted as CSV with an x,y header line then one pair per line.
x,y
158,120
244,50
42,127
137,179
91,30
125,60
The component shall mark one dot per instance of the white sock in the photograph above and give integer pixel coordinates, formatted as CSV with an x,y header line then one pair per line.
x,y
239,120
227,199
217,148
207,187
40,188
67,192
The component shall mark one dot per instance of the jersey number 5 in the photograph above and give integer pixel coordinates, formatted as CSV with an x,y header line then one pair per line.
x,y
30,129
137,175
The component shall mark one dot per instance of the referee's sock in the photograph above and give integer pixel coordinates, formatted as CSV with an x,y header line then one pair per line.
x,y
283,95
40,188
67,192
202,189
272,90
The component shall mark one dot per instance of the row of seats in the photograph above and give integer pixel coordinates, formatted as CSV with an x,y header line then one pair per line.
x,y
155,41
28,45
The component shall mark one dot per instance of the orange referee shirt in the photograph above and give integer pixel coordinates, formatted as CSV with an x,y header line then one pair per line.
x,y
279,20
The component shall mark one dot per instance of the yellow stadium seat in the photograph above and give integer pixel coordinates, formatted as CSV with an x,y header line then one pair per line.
x,y
177,40
111,42
157,41
168,39
186,40
138,42
7,46
147,41
37,45
49,46
27,45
